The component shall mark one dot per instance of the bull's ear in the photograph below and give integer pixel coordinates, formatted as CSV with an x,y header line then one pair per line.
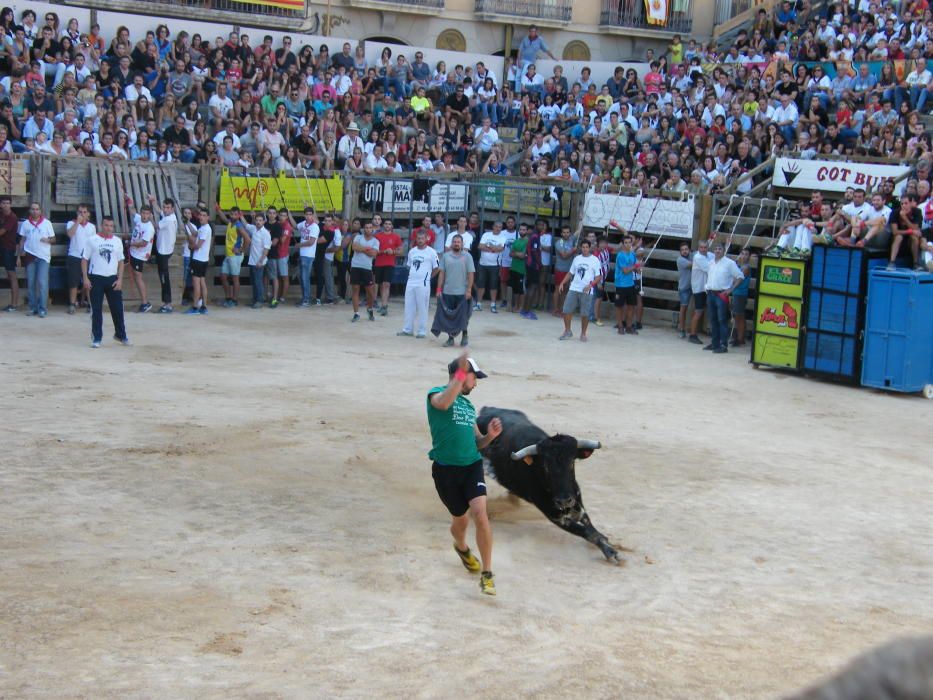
x,y
583,454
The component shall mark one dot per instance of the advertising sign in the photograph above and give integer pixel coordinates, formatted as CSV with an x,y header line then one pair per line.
x,y
835,176
294,193
420,195
664,217
779,312
525,200
781,277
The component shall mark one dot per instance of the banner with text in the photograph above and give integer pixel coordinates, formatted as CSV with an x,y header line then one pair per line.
x,y
835,176
295,5
294,193
540,200
664,217
419,195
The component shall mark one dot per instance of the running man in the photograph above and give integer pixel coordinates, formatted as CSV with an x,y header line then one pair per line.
x,y
458,466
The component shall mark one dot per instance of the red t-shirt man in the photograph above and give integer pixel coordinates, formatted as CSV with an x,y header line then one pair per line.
x,y
391,242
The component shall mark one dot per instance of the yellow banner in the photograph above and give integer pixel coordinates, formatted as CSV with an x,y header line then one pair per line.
x,y
294,193
781,277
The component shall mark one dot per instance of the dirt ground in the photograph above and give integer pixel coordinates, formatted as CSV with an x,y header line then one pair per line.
x,y
241,506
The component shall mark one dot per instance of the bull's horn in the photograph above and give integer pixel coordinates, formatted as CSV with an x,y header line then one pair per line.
x,y
588,444
529,451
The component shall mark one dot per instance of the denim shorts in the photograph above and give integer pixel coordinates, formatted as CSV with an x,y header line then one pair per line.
x,y
277,267
685,296
231,265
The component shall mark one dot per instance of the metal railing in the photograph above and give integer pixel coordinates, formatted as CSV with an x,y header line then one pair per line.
x,y
554,10
247,8
428,4
631,13
727,9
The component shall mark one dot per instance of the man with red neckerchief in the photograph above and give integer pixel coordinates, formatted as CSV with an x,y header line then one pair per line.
x,y
36,239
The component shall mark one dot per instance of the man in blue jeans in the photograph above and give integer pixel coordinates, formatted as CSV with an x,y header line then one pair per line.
x,y
37,237
308,233
723,277
259,245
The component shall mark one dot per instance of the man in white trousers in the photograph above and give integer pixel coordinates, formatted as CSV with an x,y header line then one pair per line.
x,y
422,268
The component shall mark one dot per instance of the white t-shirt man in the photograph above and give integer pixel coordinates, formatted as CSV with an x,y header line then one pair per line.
x,y
205,235
467,239
334,246
505,257
547,243
82,233
103,255
33,232
700,271
486,258
166,235
142,231
307,233
260,242
584,270
852,209
223,105
421,264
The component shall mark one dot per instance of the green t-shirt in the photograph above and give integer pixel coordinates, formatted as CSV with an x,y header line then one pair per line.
x,y
519,245
453,436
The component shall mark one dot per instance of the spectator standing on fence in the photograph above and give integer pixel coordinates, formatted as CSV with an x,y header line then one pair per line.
x,y
308,231
102,273
491,245
530,47
36,239
9,239
236,241
365,250
141,238
166,235
200,241
78,230
583,279
698,272
723,277
390,246
422,265
260,244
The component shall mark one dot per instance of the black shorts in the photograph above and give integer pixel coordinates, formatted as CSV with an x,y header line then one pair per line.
x,y
139,265
9,260
198,268
360,276
73,270
383,273
699,301
626,296
487,277
532,277
517,282
457,486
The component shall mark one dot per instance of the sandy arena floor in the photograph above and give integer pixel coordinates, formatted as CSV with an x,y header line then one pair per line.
x,y
241,506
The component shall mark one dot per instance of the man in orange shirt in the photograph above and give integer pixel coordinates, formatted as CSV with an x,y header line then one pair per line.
x,y
390,246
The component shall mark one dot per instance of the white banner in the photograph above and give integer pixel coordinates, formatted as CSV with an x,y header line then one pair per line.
x,y
420,196
656,11
835,176
664,217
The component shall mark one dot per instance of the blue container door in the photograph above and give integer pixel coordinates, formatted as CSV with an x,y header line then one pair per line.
x,y
832,354
887,326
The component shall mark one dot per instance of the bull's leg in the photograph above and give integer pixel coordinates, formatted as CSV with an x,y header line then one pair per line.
x,y
583,527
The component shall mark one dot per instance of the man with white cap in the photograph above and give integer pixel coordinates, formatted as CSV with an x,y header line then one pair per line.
x,y
347,143
458,466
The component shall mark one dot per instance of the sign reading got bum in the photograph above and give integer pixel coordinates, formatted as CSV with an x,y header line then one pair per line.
x,y
835,176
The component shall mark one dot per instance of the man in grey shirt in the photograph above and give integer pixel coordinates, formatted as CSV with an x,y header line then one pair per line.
x,y
455,288
684,269
530,47
365,249
565,249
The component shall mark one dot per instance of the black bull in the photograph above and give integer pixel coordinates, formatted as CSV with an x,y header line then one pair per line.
x,y
540,469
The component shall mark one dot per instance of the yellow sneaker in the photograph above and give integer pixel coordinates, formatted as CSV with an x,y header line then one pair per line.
x,y
487,583
470,562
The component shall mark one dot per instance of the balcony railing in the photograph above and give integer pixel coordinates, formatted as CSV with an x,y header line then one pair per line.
x,y
426,4
631,13
246,8
550,10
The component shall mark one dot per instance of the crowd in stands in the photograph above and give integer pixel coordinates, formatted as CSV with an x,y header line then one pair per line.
x,y
848,79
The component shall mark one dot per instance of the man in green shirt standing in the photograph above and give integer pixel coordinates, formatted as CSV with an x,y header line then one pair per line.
x,y
458,465
517,272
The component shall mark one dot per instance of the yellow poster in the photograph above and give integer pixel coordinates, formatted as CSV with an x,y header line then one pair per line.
x,y
778,316
776,351
295,193
781,277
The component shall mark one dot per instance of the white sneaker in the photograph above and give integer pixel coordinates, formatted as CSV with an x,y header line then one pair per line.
x,y
477,307
95,344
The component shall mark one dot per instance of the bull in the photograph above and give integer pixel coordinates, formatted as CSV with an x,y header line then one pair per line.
x,y
539,468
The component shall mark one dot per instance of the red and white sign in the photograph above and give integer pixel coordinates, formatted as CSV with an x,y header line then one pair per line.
x,y
835,176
